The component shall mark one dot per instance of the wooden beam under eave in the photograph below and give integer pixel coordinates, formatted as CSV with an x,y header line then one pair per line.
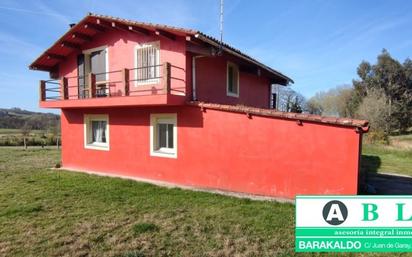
x,y
139,30
195,41
201,50
82,36
42,67
105,23
278,80
56,57
111,25
94,27
70,45
165,34
120,26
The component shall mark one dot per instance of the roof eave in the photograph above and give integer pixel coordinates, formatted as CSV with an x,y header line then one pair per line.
x,y
203,37
215,43
33,65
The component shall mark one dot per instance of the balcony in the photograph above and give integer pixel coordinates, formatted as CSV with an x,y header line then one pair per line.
x,y
152,85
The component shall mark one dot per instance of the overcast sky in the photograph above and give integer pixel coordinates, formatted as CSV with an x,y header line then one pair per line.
x,y
318,43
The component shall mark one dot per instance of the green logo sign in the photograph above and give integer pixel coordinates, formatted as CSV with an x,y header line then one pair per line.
x,y
353,224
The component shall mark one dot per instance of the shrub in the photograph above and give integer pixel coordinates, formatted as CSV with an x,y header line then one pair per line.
x,y
11,140
376,109
51,140
377,136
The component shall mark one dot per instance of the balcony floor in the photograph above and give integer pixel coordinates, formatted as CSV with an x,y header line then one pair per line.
x,y
117,101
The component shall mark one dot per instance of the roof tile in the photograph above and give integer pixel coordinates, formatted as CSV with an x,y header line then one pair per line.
x,y
363,124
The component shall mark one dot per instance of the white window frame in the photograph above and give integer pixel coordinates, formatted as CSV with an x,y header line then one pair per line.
x,y
141,46
165,118
234,66
87,120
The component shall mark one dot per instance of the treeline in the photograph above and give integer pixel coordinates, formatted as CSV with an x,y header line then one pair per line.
x,y
16,118
31,128
382,94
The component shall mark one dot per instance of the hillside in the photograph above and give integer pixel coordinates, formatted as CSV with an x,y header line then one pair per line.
x,y
16,118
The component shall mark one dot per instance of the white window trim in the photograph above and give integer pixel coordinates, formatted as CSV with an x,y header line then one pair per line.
x,y
86,124
170,118
228,93
106,49
148,81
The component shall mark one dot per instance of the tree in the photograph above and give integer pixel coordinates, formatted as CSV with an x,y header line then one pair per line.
x,y
394,80
313,106
296,105
290,100
25,131
333,102
376,109
54,130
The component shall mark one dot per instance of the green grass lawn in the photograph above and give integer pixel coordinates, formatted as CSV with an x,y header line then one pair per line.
x,y
59,213
393,158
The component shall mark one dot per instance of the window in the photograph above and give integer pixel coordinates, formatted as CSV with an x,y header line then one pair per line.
x,y
96,132
163,135
147,64
232,74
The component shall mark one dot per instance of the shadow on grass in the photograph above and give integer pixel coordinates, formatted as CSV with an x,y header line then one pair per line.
x,y
370,163
382,184
389,184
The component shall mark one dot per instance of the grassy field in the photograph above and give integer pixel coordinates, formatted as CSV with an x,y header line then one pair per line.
x,y
393,158
14,137
17,132
58,213
49,213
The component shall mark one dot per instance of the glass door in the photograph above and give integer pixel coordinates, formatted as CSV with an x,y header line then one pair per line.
x,y
98,67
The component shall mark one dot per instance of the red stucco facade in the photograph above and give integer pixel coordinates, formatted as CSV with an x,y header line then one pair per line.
x,y
277,155
222,150
120,46
211,84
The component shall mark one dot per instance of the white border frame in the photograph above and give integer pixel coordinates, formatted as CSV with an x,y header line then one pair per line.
x,y
172,119
140,46
87,118
227,79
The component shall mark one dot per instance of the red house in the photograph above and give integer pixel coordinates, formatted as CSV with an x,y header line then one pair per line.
x,y
161,103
